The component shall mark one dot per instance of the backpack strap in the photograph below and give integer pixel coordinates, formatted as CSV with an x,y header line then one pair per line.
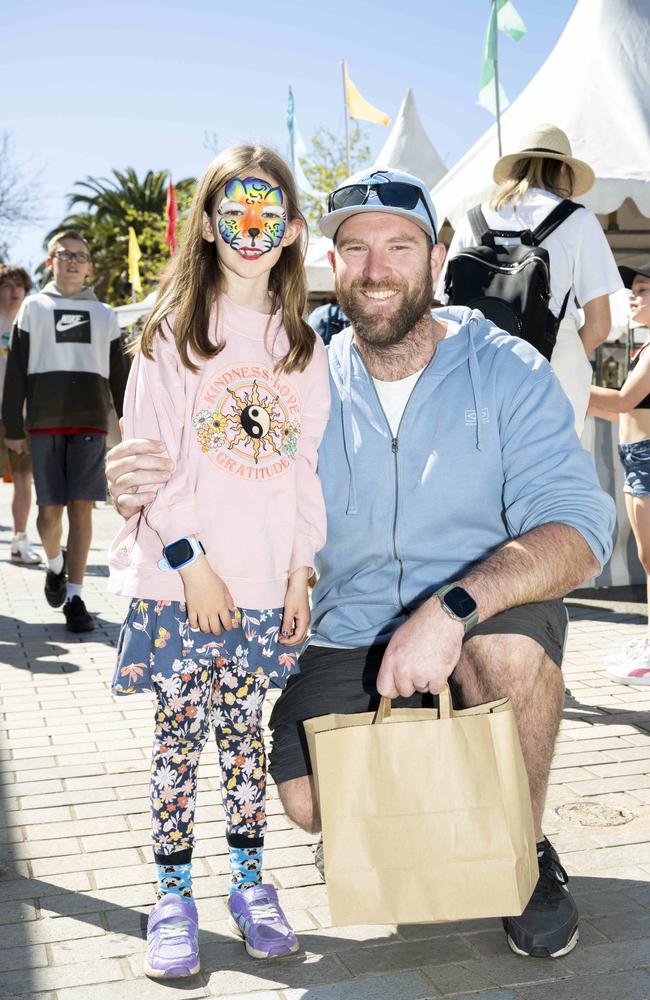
x,y
485,236
563,309
480,229
554,219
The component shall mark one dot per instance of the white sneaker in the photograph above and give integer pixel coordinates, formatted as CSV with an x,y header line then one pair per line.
x,y
631,648
21,550
635,670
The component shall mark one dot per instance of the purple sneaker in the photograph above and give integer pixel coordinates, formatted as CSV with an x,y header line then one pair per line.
x,y
257,916
172,938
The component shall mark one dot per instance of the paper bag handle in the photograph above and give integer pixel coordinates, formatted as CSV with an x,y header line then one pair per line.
x,y
444,703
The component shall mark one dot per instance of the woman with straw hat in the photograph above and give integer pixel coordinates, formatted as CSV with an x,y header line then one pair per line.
x,y
532,181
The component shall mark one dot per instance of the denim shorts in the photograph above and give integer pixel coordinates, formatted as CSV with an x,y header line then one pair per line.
x,y
635,459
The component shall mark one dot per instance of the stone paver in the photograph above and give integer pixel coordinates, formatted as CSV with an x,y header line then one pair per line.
x,y
75,872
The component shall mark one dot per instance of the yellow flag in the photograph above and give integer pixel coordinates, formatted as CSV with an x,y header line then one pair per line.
x,y
134,261
358,106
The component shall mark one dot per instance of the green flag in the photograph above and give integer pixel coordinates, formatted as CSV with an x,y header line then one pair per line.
x,y
508,20
503,17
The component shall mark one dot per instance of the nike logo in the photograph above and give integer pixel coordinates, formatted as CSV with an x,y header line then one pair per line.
x,y
68,321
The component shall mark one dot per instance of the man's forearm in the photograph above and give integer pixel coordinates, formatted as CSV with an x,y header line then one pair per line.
x,y
547,562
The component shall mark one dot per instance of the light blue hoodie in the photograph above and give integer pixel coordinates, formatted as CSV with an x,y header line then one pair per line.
x,y
485,452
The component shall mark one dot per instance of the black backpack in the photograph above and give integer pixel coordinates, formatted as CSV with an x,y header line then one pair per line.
x,y
332,323
510,285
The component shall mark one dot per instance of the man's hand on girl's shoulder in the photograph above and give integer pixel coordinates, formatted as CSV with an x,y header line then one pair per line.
x,y
135,469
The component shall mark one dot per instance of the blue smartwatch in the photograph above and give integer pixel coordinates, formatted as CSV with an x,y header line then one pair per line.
x,y
180,553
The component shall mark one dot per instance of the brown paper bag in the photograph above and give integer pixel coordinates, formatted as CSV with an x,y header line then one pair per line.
x,y
426,816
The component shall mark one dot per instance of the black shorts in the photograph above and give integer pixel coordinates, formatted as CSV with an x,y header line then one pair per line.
x,y
68,467
344,681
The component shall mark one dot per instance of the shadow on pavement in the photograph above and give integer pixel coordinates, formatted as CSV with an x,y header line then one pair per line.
x,y
595,715
27,645
612,910
586,612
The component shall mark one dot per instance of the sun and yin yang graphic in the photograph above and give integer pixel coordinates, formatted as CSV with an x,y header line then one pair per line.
x,y
247,422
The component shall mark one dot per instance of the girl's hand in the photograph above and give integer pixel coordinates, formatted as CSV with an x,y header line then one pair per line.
x,y
297,615
210,606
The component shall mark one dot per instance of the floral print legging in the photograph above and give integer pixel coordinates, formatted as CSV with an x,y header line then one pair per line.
x,y
228,698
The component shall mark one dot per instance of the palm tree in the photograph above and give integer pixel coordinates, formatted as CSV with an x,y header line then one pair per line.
x,y
102,209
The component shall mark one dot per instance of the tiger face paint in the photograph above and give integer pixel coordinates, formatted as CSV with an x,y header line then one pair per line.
x,y
252,216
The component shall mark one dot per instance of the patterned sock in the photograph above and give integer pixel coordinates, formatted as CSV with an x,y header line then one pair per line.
x,y
175,878
245,867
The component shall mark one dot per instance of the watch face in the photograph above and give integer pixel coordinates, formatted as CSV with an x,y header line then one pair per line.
x,y
459,602
179,552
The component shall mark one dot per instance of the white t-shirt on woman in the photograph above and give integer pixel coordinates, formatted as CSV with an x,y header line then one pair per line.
x,y
579,254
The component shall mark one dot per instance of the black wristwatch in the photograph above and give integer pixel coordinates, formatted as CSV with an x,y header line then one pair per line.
x,y
458,604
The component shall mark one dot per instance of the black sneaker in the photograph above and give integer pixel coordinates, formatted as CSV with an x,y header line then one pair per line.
x,y
548,927
77,618
55,585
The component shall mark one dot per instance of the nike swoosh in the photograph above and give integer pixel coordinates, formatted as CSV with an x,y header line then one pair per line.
x,y
68,322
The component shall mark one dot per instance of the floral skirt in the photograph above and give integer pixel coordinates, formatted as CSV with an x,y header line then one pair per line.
x,y
156,640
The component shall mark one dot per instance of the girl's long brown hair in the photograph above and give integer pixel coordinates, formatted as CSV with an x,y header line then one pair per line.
x,y
534,172
193,280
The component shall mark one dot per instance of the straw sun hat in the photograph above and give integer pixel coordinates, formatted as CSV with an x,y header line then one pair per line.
x,y
546,142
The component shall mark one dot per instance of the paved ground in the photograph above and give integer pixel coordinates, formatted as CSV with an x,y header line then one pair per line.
x,y
75,884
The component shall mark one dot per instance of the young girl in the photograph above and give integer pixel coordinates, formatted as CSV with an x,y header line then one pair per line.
x,y
632,404
235,383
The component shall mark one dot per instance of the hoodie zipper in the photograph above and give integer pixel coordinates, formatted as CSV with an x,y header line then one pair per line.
x,y
395,449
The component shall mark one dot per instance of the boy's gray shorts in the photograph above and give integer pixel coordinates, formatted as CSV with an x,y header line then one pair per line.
x,y
68,467
344,681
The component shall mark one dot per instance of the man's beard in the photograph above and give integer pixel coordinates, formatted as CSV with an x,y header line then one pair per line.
x,y
378,331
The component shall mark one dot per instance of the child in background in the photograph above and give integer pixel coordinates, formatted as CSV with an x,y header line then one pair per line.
x,y
235,383
631,407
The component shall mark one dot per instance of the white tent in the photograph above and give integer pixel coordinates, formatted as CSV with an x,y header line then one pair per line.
x,y
409,148
320,278
595,85
133,311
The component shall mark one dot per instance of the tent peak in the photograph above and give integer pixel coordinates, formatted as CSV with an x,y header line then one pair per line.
x,y
409,148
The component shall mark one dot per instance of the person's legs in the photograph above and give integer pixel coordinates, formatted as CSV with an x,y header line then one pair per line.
x,y
181,729
48,463
516,667
518,655
298,798
638,512
21,471
237,700
80,517
49,523
22,500
631,664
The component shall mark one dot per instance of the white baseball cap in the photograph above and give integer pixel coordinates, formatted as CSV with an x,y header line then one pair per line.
x,y
393,192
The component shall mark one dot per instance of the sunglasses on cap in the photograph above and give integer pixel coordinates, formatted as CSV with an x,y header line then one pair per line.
x,y
392,194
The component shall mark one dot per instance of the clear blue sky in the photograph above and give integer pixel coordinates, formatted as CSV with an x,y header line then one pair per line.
x,y
88,87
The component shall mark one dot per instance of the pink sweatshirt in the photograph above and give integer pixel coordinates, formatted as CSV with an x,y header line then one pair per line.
x,y
245,441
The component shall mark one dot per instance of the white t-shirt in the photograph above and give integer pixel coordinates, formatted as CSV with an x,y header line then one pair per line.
x,y
394,396
579,254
